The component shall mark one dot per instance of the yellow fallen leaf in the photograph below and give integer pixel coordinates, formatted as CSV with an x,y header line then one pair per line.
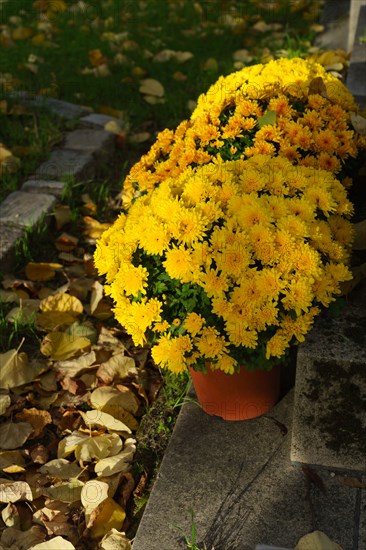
x,y
51,320
94,229
106,516
115,540
59,346
96,295
152,87
21,33
62,215
87,448
119,463
57,543
139,137
104,420
10,460
62,302
96,57
92,494
317,540
15,369
41,271
154,100
113,127
107,396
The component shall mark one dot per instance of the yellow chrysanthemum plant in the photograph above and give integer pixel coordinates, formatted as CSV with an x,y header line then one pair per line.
x,y
228,263
291,108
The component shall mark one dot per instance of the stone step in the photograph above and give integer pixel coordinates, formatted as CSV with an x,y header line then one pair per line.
x,y
329,426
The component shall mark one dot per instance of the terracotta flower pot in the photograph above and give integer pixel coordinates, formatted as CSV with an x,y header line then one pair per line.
x,y
239,396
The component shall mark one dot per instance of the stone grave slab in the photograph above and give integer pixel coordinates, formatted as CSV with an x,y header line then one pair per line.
x,y
329,426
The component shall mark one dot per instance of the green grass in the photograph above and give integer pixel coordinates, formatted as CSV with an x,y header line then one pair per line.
x,y
52,48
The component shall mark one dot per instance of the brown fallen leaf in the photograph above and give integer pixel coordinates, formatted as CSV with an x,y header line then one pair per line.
x,y
66,242
36,418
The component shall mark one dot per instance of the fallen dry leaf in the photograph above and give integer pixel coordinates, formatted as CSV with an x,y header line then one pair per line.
x,y
13,435
114,540
106,516
117,463
12,491
57,543
317,540
36,418
62,215
119,366
59,346
104,420
12,461
152,87
62,303
41,271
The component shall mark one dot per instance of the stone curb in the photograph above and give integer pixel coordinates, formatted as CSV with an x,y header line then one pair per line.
x,y
78,156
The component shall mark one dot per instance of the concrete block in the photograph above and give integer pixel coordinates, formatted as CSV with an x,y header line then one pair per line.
x,y
8,237
356,76
97,142
24,210
98,120
67,163
329,426
237,480
50,187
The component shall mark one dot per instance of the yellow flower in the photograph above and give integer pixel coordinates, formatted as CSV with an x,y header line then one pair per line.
x,y
178,263
188,226
214,283
298,296
210,343
193,323
277,345
133,280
